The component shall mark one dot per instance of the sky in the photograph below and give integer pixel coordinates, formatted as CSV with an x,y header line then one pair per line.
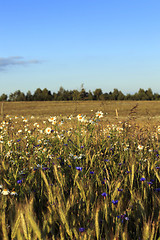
x,y
103,44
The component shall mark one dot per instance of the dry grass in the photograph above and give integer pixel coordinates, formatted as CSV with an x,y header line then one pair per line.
x,y
144,111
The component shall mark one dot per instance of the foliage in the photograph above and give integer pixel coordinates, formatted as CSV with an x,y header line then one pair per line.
x,y
75,95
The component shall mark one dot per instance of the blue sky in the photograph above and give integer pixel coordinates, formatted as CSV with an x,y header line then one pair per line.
x,y
99,43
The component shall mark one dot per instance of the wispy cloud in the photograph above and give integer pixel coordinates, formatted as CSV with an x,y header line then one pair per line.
x,y
15,60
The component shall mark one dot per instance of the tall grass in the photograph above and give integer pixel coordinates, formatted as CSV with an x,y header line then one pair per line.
x,y
82,181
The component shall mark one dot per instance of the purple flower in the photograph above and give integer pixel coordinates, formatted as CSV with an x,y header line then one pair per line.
x,y
81,229
91,172
79,168
104,194
106,160
157,167
120,190
115,202
157,189
149,183
20,181
142,179
45,168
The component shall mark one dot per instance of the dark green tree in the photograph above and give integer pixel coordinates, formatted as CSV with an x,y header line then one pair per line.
x,y
3,97
29,96
17,96
37,96
149,94
97,93
46,95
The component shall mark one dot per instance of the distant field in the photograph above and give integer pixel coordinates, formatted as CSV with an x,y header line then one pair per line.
x,y
145,109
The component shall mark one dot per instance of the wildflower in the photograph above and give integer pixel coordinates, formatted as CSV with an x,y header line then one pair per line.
x,y
25,120
91,172
20,181
81,118
9,143
140,147
13,193
120,190
79,168
81,230
115,202
157,189
52,119
142,179
48,130
99,114
5,192
45,168
149,183
104,194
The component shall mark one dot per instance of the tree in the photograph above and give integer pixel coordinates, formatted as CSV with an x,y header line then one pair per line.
x,y
46,95
149,94
38,95
29,96
3,97
17,96
97,93
141,94
115,94
76,95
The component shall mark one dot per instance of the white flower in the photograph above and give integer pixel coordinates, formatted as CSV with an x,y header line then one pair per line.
x,y
140,147
99,114
25,120
52,119
9,143
48,130
81,118
13,193
5,192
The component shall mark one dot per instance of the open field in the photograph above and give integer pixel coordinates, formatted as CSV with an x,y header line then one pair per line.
x,y
93,177
144,108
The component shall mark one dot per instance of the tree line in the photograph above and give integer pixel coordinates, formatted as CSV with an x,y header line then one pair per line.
x,y
75,95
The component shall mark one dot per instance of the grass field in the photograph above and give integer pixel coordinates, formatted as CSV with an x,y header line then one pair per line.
x,y
144,108
81,177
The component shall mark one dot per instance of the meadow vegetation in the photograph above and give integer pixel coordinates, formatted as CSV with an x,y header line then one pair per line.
x,y
83,170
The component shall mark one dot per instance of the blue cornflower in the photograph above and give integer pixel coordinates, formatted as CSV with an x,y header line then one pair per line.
x,y
45,168
81,229
104,194
115,202
20,181
106,160
142,179
157,189
120,190
79,168
91,172
149,183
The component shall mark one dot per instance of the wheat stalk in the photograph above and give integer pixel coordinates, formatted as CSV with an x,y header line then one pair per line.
x,y
97,222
